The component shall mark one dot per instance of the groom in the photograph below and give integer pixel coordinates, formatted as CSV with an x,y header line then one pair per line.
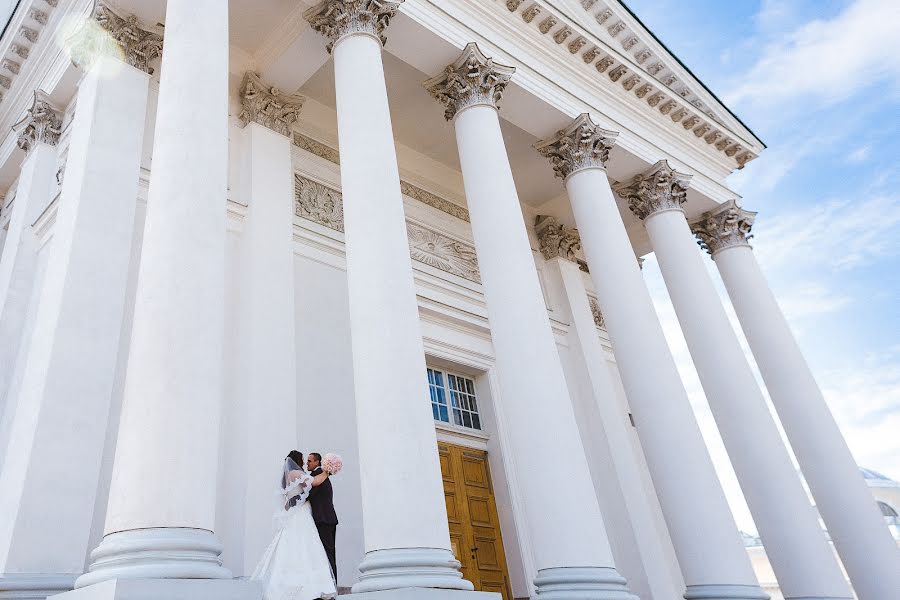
x,y
321,499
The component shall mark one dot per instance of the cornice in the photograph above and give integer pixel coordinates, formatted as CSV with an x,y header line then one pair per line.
x,y
639,67
566,86
24,33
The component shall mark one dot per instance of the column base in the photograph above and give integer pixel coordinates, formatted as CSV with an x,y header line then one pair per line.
x,y
423,594
16,586
158,553
581,583
169,589
725,592
399,568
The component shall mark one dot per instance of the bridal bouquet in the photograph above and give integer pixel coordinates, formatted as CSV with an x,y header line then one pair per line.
x,y
332,463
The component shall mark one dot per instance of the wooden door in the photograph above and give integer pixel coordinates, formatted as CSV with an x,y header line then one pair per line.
x,y
472,516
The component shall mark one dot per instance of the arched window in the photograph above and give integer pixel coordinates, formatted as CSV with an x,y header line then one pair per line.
x,y
887,510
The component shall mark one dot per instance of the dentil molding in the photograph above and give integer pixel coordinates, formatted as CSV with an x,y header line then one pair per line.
x,y
725,226
472,80
336,18
658,189
107,33
268,106
42,123
582,145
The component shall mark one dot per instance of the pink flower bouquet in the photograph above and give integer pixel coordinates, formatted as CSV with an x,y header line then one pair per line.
x,y
332,463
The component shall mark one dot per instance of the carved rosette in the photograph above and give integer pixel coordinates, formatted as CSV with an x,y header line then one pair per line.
x,y
41,125
726,226
472,80
595,311
658,189
337,18
555,239
106,33
268,106
582,145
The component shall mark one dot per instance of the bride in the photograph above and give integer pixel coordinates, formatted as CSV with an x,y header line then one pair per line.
x,y
294,566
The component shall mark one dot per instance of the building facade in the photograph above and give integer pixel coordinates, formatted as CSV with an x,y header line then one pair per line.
x,y
407,232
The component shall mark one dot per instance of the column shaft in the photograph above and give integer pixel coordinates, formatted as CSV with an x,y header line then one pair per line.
x,y
710,552
397,444
860,535
58,434
162,499
535,405
788,525
19,259
268,388
641,510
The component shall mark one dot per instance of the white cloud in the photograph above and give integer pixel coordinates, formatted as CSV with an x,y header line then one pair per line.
x,y
859,155
827,60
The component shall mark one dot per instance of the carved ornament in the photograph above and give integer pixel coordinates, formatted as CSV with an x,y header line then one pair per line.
x,y
41,125
268,106
107,33
337,18
595,310
472,80
581,145
659,189
726,226
555,239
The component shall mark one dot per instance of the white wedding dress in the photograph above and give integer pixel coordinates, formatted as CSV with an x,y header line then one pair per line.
x,y
295,566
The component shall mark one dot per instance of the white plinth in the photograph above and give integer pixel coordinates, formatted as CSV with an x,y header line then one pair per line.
x,y
167,589
423,594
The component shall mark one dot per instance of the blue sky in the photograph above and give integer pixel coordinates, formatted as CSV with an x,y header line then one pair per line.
x,y
819,82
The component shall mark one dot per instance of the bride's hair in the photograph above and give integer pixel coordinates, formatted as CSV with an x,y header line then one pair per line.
x,y
297,457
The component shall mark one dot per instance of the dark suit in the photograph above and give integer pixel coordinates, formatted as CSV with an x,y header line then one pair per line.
x,y
321,499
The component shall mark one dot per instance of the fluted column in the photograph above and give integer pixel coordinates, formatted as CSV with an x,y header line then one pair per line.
x,y
856,526
267,382
709,549
788,525
572,552
159,522
39,134
407,539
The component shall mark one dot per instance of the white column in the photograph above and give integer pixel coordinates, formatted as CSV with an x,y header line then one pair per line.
x,y
710,552
857,528
159,523
641,514
788,525
268,378
57,436
407,540
39,135
572,552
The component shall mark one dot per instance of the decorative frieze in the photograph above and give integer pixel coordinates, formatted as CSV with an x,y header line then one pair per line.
x,y
268,106
562,35
555,239
582,145
42,123
603,16
20,50
107,33
416,193
323,205
604,63
548,24
726,226
658,189
442,252
317,203
29,34
595,311
616,28
336,18
530,13
11,66
577,44
616,74
38,15
472,80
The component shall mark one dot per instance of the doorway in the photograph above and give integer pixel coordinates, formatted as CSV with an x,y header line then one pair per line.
x,y
475,536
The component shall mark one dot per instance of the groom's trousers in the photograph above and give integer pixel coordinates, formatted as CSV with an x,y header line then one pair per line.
x,y
328,533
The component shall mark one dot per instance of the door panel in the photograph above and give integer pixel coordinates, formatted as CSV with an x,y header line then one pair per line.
x,y
472,516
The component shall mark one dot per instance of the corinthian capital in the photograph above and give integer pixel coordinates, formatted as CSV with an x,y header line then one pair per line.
x,y
106,33
556,240
336,18
42,123
658,189
473,79
268,106
723,227
582,145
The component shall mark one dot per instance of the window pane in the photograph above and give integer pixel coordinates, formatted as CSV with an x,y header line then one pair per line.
x,y
444,416
467,419
476,422
435,412
469,387
457,417
430,376
438,379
